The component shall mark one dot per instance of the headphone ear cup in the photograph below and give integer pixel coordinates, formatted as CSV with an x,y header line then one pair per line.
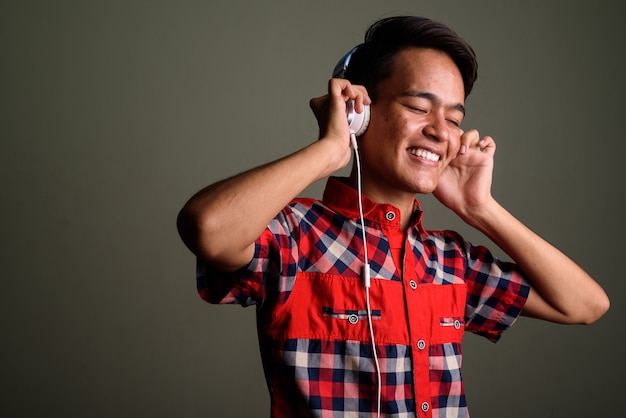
x,y
358,122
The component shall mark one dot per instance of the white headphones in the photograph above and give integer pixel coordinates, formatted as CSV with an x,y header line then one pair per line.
x,y
358,121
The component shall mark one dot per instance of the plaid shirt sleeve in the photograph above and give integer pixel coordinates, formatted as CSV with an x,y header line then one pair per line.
x,y
275,256
497,292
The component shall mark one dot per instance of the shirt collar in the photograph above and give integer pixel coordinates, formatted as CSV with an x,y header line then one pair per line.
x,y
343,199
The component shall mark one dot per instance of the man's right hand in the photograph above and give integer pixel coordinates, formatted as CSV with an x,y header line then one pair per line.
x,y
330,112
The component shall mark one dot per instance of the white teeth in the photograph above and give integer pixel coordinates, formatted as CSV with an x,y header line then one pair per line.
x,y
427,155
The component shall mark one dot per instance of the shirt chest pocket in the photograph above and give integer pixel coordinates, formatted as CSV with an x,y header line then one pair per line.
x,y
441,310
320,306
332,307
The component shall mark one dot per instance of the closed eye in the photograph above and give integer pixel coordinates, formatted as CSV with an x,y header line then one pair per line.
x,y
416,109
454,122
432,99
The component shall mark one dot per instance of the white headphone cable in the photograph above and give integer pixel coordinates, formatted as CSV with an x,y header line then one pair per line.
x,y
366,272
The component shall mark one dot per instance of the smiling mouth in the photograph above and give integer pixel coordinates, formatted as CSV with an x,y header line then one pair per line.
x,y
426,155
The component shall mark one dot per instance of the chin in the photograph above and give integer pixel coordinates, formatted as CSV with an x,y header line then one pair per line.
x,y
424,189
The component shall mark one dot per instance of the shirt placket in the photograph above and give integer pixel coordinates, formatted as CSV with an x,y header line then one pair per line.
x,y
418,318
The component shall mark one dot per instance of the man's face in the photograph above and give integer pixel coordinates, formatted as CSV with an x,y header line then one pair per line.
x,y
414,130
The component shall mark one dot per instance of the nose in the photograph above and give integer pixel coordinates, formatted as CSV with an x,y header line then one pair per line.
x,y
437,127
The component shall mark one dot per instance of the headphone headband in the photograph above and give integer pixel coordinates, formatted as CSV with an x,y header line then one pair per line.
x,y
342,65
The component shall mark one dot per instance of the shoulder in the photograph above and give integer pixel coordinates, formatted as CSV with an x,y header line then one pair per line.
x,y
445,237
297,212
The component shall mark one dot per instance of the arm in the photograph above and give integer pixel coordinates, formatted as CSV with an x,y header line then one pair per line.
x,y
561,291
222,221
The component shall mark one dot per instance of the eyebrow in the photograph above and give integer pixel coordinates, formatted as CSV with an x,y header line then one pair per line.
x,y
433,98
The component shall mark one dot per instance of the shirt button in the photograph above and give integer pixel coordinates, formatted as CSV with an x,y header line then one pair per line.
x,y
413,284
425,406
457,324
353,319
421,344
390,216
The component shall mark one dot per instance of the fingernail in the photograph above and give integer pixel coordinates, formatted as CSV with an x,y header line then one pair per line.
x,y
463,149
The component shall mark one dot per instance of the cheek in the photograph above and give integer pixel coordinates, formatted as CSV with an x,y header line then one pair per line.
x,y
454,147
389,128
395,128
455,142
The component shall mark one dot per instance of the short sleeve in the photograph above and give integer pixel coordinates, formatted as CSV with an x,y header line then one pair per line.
x,y
496,292
274,264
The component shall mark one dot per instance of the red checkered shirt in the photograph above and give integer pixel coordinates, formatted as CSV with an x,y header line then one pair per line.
x,y
427,288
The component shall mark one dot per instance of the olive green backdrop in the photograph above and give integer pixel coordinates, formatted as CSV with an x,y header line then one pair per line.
x,y
114,112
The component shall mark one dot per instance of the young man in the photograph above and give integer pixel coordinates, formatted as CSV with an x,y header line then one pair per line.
x,y
333,342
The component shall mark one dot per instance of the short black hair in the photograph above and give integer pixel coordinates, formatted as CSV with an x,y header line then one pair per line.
x,y
372,61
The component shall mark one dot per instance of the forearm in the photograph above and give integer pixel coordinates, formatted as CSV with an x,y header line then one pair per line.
x,y
221,222
562,291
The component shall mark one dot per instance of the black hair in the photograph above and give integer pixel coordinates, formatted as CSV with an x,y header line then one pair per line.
x,y
372,61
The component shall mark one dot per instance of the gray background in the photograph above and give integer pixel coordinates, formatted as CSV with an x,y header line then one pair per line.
x,y
114,113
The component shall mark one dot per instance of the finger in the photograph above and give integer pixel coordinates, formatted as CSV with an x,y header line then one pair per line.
x,y
341,88
487,144
468,139
362,98
344,89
